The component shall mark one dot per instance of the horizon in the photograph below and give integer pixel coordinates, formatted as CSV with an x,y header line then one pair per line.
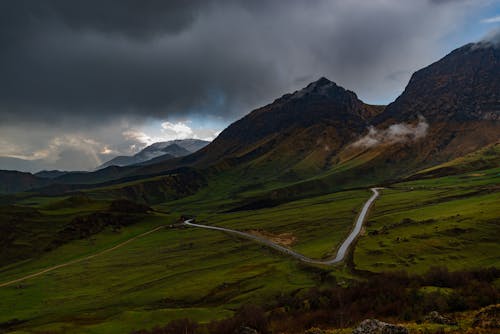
x,y
60,121
250,167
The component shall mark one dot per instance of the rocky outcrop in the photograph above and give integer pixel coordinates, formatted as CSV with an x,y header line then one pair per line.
x,y
436,318
246,330
488,317
374,326
319,119
464,86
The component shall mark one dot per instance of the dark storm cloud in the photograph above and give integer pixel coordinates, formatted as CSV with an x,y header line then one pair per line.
x,y
98,58
133,18
94,60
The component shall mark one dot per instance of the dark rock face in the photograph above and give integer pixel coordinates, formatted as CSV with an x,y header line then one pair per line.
x,y
293,125
436,318
464,85
321,101
488,317
458,97
374,326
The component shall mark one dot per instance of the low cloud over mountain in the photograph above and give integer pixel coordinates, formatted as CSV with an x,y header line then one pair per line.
x,y
102,68
396,133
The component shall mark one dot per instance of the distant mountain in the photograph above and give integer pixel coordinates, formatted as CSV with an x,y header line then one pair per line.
x,y
323,137
14,181
167,150
51,174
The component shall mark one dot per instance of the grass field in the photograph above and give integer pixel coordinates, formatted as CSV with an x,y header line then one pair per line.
x,y
451,221
176,272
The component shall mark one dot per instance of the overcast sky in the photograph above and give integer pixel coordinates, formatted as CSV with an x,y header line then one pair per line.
x,y
84,81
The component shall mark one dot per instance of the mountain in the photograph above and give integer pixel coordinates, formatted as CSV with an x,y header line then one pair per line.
x,y
51,174
316,120
168,149
298,131
484,158
462,86
323,136
14,181
458,99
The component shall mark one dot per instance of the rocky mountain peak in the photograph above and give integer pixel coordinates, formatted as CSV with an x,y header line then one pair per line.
x,y
464,85
323,88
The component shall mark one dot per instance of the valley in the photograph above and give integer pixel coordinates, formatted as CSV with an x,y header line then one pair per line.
x,y
317,209
164,275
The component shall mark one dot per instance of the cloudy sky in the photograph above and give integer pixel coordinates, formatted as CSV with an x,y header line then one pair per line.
x,y
84,81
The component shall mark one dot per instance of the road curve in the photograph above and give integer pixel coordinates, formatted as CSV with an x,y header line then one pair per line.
x,y
339,257
340,253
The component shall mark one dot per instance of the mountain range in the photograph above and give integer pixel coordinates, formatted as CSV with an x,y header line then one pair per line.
x,y
265,213
159,151
324,136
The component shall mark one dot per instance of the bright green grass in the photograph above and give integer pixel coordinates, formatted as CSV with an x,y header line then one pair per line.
x,y
205,275
319,223
155,279
456,224
175,273
80,248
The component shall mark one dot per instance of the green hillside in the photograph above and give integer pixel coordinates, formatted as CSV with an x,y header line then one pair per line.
x,y
204,275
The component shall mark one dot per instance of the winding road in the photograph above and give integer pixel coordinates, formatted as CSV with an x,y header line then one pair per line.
x,y
340,253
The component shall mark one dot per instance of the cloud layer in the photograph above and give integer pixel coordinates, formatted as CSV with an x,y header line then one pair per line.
x,y
90,69
66,59
396,133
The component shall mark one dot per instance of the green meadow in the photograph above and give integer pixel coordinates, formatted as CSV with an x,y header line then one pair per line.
x,y
180,272
450,221
174,272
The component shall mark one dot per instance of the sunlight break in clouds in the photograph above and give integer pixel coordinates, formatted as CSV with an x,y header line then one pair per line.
x,y
177,130
396,133
167,131
181,130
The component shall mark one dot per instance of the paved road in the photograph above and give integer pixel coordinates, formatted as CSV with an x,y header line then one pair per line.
x,y
340,253
46,270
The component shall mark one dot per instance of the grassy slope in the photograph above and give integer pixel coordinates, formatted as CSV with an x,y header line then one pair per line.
x,y
487,157
160,277
319,223
454,222
175,273
205,274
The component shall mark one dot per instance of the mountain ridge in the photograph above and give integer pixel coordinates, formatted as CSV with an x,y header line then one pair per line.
x,y
314,131
168,149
